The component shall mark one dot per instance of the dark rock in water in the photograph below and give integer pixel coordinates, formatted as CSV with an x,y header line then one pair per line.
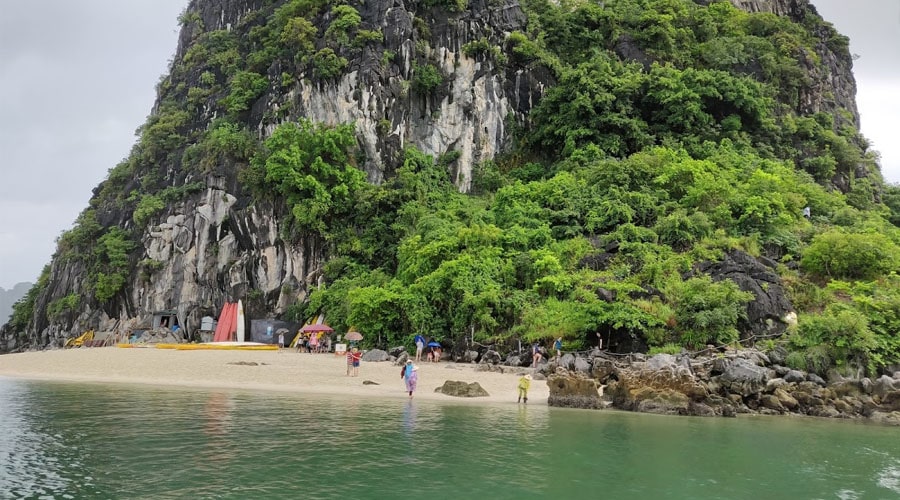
x,y
661,402
369,382
375,355
886,418
401,359
744,378
395,351
460,389
573,391
701,410
771,402
794,376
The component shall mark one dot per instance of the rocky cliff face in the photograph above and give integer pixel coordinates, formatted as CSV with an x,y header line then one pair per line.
x,y
831,83
218,244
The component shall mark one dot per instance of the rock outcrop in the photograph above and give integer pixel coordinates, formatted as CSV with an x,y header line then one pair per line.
x,y
723,384
460,389
573,390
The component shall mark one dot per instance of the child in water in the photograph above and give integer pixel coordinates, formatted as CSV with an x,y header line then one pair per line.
x,y
524,384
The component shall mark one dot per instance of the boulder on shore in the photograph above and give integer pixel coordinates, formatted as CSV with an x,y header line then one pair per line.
x,y
460,389
573,390
376,355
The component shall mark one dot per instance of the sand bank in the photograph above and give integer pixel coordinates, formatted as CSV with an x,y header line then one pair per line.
x,y
275,371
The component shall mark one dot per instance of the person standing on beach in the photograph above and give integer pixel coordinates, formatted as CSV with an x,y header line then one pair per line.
x,y
420,345
313,342
558,346
355,357
524,385
280,340
349,361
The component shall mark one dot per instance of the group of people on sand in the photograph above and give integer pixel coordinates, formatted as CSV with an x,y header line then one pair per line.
x,y
433,353
315,342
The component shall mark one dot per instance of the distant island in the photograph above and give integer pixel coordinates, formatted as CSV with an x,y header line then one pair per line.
x,y
10,297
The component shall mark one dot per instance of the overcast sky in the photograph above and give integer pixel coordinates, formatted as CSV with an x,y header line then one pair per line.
x,y
77,78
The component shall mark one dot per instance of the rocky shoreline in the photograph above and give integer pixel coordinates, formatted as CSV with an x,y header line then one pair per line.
x,y
710,383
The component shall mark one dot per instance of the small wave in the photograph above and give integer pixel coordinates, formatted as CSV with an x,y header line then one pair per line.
x,y
848,495
889,477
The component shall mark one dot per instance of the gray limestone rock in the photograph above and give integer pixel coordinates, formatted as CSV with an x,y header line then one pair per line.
x,y
582,366
567,361
744,378
375,355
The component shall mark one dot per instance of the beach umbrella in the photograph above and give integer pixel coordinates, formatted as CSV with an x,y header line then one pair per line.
x,y
354,336
434,344
281,330
317,328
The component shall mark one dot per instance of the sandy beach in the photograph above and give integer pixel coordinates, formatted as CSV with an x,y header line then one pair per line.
x,y
283,371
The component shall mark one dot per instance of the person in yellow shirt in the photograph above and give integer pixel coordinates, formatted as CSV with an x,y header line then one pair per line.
x,y
524,384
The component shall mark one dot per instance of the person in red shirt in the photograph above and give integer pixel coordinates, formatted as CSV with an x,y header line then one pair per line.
x,y
355,357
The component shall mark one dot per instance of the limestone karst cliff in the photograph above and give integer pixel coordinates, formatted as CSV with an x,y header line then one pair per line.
x,y
178,225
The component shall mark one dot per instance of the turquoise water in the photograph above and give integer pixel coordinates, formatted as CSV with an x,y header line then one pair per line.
x,y
105,441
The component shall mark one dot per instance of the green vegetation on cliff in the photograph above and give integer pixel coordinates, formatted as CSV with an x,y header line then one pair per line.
x,y
675,134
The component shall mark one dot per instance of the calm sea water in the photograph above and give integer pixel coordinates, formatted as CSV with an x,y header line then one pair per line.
x,y
103,441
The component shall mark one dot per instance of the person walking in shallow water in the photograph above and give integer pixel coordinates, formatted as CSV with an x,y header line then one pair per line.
x,y
524,385
410,375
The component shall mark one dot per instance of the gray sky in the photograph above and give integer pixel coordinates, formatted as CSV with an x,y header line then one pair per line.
x,y
77,78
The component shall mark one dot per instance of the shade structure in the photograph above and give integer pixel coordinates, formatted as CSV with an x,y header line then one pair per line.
x,y
317,328
354,336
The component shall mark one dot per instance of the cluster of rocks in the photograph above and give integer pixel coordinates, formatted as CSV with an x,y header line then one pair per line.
x,y
708,384
717,384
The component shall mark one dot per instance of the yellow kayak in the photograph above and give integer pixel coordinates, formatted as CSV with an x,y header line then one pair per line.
x,y
219,346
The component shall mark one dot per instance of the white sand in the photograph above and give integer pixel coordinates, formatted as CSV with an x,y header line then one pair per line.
x,y
276,371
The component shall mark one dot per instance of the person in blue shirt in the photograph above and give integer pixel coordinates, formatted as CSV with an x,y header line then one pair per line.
x,y
558,346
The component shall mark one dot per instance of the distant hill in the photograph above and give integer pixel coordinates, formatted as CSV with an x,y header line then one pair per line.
x,y
9,297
